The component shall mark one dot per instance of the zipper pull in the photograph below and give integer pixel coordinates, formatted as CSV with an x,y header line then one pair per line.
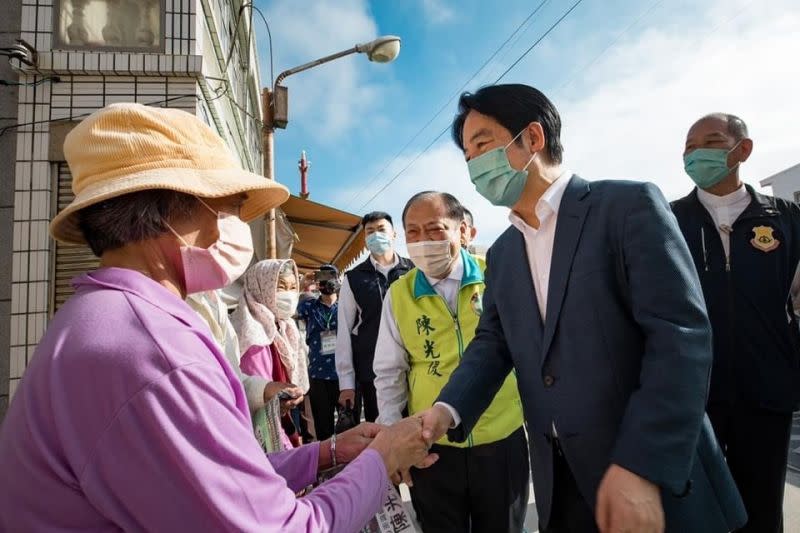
x,y
727,264
705,251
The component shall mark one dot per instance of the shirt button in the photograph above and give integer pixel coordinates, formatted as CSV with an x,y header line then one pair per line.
x,y
548,381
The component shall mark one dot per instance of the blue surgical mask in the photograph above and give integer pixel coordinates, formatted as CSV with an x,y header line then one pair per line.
x,y
708,166
379,243
495,179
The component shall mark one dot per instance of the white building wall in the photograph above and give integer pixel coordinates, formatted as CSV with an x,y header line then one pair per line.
x,y
785,184
91,79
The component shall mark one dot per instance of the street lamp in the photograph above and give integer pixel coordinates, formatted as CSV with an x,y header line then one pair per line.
x,y
381,50
276,107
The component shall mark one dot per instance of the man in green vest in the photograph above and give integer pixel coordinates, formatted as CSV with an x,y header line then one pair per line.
x,y
429,316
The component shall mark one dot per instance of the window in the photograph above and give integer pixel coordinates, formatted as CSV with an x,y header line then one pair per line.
x,y
797,196
131,25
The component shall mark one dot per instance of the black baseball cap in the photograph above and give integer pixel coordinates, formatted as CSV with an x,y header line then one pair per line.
x,y
329,268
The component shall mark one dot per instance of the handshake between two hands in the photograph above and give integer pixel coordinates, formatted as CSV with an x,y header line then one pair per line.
x,y
402,445
625,501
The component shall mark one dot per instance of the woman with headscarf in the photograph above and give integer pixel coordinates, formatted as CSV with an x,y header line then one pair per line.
x,y
269,340
129,416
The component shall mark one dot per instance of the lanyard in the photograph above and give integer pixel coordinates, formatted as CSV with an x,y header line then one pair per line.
x,y
327,325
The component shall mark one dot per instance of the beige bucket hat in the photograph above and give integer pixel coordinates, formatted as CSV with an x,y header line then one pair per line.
x,y
125,148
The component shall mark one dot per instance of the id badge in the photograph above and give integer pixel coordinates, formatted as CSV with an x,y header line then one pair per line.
x,y
328,342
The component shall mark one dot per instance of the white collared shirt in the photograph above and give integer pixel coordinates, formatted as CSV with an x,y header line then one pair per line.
x,y
538,248
724,211
448,287
391,358
539,242
384,269
346,317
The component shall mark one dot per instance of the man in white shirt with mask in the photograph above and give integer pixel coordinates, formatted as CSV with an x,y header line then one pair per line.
x,y
360,301
429,317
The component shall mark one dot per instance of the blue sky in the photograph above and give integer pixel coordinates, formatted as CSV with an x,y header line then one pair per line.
x,y
628,76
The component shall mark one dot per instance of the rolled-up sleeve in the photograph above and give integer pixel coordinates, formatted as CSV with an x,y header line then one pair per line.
x,y
180,456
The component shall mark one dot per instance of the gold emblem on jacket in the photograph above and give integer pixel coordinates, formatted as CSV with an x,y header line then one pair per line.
x,y
763,239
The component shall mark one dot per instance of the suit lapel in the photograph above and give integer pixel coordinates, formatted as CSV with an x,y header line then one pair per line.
x,y
527,317
571,216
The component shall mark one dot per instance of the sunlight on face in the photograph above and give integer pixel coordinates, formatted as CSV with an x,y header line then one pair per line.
x,y
427,220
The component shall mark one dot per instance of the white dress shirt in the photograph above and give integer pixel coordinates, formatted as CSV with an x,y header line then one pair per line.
x,y
724,211
391,358
348,313
539,242
538,248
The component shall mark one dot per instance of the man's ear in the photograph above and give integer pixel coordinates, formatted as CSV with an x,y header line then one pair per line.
x,y
746,148
463,231
535,134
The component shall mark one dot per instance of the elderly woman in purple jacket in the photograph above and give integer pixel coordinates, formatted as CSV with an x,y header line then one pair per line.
x,y
129,416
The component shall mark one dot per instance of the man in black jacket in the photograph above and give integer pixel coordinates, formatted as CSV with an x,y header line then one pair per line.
x,y
359,316
746,249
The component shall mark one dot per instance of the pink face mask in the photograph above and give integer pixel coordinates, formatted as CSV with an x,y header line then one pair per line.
x,y
219,265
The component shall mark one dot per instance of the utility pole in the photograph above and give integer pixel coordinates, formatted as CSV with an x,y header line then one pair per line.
x,y
268,139
275,101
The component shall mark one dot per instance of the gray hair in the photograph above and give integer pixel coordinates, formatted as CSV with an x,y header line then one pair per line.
x,y
133,217
736,126
455,210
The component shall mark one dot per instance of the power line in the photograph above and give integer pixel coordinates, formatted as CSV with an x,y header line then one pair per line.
x,y
588,66
53,79
402,171
446,104
505,55
430,145
269,37
229,55
84,115
545,34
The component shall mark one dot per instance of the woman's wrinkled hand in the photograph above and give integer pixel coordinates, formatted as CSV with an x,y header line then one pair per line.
x,y
295,395
401,446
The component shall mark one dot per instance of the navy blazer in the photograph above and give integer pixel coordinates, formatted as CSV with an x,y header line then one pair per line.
x,y
620,365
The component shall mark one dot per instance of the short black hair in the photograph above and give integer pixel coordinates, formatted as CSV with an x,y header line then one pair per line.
x,y
736,126
468,216
454,208
514,106
329,268
133,217
375,216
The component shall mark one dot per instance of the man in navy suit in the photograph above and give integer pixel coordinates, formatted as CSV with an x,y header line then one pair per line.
x,y
593,300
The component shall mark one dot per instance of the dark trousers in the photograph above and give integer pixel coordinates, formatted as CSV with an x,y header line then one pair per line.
x,y
324,396
479,489
756,446
570,513
366,396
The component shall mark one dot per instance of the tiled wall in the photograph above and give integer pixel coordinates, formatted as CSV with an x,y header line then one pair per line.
x,y
31,245
89,80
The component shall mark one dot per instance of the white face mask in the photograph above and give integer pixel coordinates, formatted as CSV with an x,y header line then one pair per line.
x,y
286,304
432,257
